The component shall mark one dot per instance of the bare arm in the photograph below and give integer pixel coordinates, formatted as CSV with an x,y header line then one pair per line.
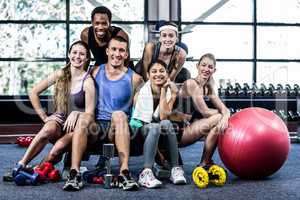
x,y
166,106
178,64
123,34
216,101
90,96
84,35
192,89
135,98
89,89
147,56
39,88
137,82
95,71
223,123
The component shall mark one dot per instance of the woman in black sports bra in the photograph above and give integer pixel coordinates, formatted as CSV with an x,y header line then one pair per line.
x,y
165,50
213,121
74,94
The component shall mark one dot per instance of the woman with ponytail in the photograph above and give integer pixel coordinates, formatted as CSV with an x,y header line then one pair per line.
x,y
208,123
74,95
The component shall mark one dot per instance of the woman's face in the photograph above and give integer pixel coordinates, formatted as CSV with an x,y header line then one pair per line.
x,y
206,68
78,56
158,74
168,38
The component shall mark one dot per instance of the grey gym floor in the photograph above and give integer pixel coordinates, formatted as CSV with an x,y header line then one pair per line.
x,y
285,184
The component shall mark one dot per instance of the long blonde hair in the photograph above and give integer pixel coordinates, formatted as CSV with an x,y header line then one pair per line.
x,y
62,84
210,84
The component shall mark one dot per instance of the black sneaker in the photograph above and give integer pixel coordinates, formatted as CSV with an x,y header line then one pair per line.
x,y
74,182
127,182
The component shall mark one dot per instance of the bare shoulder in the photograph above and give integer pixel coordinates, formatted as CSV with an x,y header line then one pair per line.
x,y
123,34
148,50
85,34
191,83
58,73
95,70
137,79
189,87
182,54
88,82
149,46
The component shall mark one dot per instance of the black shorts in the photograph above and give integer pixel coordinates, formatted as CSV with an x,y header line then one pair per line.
x,y
196,116
103,128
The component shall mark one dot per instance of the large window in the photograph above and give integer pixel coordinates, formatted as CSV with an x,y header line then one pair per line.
x,y
35,36
252,40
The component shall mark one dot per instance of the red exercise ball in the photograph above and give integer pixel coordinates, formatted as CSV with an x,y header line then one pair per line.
x,y
255,144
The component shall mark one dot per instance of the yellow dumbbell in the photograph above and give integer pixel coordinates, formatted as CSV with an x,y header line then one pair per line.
x,y
217,175
200,177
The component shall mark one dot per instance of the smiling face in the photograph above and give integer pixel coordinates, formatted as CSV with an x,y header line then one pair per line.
x,y
206,67
101,24
168,38
116,53
158,74
78,56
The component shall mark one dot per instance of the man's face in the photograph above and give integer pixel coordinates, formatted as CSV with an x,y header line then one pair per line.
x,y
101,24
116,53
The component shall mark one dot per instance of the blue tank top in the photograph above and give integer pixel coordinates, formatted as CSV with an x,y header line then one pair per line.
x,y
113,95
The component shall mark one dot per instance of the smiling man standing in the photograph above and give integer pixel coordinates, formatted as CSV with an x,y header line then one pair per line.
x,y
99,34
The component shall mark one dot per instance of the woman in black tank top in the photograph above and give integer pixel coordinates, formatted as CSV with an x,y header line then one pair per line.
x,y
71,85
165,50
212,121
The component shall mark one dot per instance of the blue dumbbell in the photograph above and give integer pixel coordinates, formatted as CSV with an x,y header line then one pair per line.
x,y
16,169
24,178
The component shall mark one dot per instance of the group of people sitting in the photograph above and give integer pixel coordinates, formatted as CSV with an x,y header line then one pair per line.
x,y
111,103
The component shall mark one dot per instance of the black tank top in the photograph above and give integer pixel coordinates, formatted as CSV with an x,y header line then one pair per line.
x,y
99,53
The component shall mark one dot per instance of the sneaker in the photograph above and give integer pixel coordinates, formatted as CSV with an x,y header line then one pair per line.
x,y
74,182
148,180
126,182
177,176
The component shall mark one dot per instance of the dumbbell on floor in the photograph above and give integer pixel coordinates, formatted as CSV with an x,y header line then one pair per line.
x,y
24,178
47,172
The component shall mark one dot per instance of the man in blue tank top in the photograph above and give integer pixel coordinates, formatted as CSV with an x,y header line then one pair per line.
x,y
116,85
98,35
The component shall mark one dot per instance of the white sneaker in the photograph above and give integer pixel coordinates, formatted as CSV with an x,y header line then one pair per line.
x,y
148,180
177,176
